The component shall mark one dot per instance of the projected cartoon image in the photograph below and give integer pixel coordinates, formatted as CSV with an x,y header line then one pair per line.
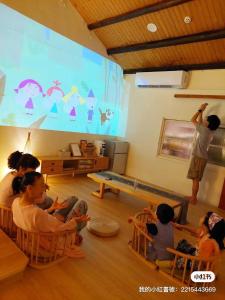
x,y
71,103
91,101
54,83
27,90
54,99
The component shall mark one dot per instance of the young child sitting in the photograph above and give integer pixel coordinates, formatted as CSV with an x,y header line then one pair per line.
x,y
28,216
162,233
209,234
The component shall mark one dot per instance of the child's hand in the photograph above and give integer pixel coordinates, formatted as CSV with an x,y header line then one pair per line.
x,y
83,218
147,209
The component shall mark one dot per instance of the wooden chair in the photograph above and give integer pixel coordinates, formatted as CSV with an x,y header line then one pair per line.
x,y
140,238
6,221
44,249
190,263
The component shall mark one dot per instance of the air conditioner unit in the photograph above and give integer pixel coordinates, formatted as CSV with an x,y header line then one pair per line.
x,y
167,79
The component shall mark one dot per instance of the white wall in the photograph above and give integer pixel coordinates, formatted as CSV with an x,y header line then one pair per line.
x,y
64,19
147,108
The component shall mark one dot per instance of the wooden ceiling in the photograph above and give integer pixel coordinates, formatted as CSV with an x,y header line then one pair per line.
x,y
121,25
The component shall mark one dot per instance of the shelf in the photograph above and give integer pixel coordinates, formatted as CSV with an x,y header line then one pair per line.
x,y
221,97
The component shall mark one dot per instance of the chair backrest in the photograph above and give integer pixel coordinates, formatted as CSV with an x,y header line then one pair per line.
x,y
44,249
140,238
6,221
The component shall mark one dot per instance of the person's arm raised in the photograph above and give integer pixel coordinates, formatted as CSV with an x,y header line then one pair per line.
x,y
197,117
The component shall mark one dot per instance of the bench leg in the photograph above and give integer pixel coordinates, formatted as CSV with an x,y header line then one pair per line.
x,y
100,192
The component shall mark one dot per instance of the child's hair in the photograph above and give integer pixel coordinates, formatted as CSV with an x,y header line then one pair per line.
x,y
17,159
165,213
20,184
55,87
214,122
29,81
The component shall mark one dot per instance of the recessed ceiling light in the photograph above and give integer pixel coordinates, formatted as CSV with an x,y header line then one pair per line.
x,y
152,27
187,20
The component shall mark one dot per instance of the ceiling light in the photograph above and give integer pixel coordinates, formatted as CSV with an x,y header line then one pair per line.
x,y
152,27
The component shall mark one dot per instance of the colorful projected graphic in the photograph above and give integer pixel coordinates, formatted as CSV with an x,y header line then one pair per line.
x,y
50,82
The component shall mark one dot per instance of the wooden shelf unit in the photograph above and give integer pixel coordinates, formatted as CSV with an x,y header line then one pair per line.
x,y
56,165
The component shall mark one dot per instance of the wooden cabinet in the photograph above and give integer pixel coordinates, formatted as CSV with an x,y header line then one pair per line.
x,y
72,165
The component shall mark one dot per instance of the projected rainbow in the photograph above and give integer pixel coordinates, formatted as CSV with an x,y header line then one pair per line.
x,y
50,82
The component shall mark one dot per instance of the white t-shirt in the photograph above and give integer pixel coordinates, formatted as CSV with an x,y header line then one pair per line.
x,y
6,191
33,218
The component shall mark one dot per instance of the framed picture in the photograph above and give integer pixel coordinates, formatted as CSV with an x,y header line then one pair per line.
x,y
75,149
176,138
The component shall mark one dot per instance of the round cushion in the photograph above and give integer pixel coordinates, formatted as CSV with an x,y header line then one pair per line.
x,y
102,226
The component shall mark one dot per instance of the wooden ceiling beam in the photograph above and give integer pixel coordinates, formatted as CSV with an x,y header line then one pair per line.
x,y
136,13
208,66
181,40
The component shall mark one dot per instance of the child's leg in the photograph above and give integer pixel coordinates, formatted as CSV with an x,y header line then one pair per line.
x,y
63,213
80,208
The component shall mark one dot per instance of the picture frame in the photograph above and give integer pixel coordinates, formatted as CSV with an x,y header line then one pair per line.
x,y
176,139
75,149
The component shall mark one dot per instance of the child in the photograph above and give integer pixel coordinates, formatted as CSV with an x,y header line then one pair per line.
x,y
28,216
205,129
162,233
211,229
20,164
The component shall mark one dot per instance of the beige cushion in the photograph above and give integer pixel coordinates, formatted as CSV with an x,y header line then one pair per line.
x,y
102,226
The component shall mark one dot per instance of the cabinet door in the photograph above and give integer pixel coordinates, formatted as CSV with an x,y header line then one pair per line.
x,y
102,163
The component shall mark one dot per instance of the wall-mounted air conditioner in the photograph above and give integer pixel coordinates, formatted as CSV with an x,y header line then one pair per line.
x,y
167,79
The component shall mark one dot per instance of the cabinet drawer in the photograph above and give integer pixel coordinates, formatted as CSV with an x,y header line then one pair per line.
x,y
52,170
51,163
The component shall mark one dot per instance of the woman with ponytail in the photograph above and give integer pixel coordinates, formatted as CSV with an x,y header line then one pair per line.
x,y
28,216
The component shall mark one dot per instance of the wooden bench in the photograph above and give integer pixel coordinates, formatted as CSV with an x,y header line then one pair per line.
x,y
153,199
12,260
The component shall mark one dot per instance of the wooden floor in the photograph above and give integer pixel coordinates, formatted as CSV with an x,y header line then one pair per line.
x,y
109,271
